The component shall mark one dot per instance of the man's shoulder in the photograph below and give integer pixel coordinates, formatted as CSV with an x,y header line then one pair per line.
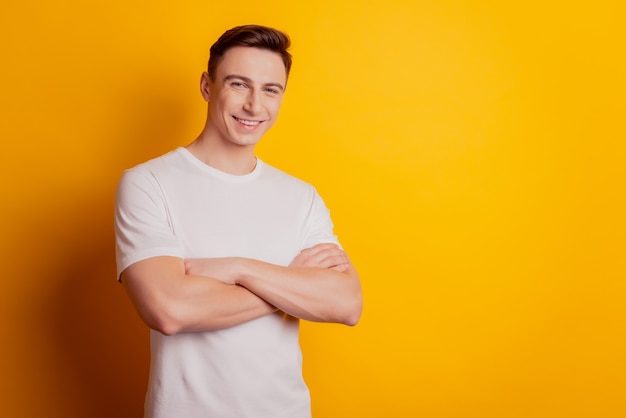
x,y
151,174
162,162
279,176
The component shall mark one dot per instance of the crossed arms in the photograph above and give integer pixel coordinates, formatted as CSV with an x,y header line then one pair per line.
x,y
173,295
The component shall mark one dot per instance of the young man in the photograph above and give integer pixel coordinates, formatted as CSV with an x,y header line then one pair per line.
x,y
222,254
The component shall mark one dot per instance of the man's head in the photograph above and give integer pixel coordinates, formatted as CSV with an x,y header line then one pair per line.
x,y
254,36
245,84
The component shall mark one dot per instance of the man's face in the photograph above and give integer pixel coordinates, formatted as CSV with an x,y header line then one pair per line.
x,y
245,97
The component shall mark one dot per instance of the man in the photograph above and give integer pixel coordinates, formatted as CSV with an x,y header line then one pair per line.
x,y
222,254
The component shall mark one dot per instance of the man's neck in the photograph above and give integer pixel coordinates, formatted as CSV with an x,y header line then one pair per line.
x,y
227,157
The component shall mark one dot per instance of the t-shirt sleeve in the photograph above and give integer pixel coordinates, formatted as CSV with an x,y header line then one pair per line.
x,y
143,228
320,226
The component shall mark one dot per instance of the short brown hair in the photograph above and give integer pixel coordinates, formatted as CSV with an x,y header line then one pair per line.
x,y
253,36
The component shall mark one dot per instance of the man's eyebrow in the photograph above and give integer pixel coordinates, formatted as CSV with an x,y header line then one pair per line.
x,y
248,80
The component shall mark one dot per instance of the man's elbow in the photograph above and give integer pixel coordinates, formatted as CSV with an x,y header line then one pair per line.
x,y
352,305
354,317
164,321
168,328
351,313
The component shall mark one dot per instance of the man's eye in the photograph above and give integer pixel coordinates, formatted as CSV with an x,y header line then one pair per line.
x,y
237,84
272,91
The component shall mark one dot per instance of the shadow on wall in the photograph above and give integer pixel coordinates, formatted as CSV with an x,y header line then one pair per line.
x,y
101,343
99,340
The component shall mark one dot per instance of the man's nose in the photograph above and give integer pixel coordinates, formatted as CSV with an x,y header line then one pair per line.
x,y
253,102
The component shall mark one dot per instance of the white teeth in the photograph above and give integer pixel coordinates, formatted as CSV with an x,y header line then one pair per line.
x,y
248,122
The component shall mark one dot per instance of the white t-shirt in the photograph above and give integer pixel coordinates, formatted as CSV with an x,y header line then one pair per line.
x,y
175,205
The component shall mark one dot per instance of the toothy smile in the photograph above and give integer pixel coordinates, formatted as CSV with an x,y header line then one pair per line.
x,y
247,122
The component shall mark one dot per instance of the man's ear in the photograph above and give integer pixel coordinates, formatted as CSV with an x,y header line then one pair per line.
x,y
205,86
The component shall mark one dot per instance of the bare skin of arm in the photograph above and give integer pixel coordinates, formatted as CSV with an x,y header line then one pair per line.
x,y
170,301
320,284
172,295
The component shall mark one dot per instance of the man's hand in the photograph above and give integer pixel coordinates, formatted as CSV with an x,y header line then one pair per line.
x,y
328,256
170,300
225,270
320,283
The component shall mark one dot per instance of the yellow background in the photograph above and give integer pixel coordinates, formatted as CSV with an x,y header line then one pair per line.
x,y
472,154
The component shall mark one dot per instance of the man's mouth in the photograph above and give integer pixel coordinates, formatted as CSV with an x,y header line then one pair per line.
x,y
247,122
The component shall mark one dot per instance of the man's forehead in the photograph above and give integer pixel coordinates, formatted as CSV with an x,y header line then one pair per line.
x,y
256,64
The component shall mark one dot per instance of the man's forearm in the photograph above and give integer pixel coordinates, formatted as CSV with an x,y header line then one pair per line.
x,y
314,294
171,302
206,304
320,284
